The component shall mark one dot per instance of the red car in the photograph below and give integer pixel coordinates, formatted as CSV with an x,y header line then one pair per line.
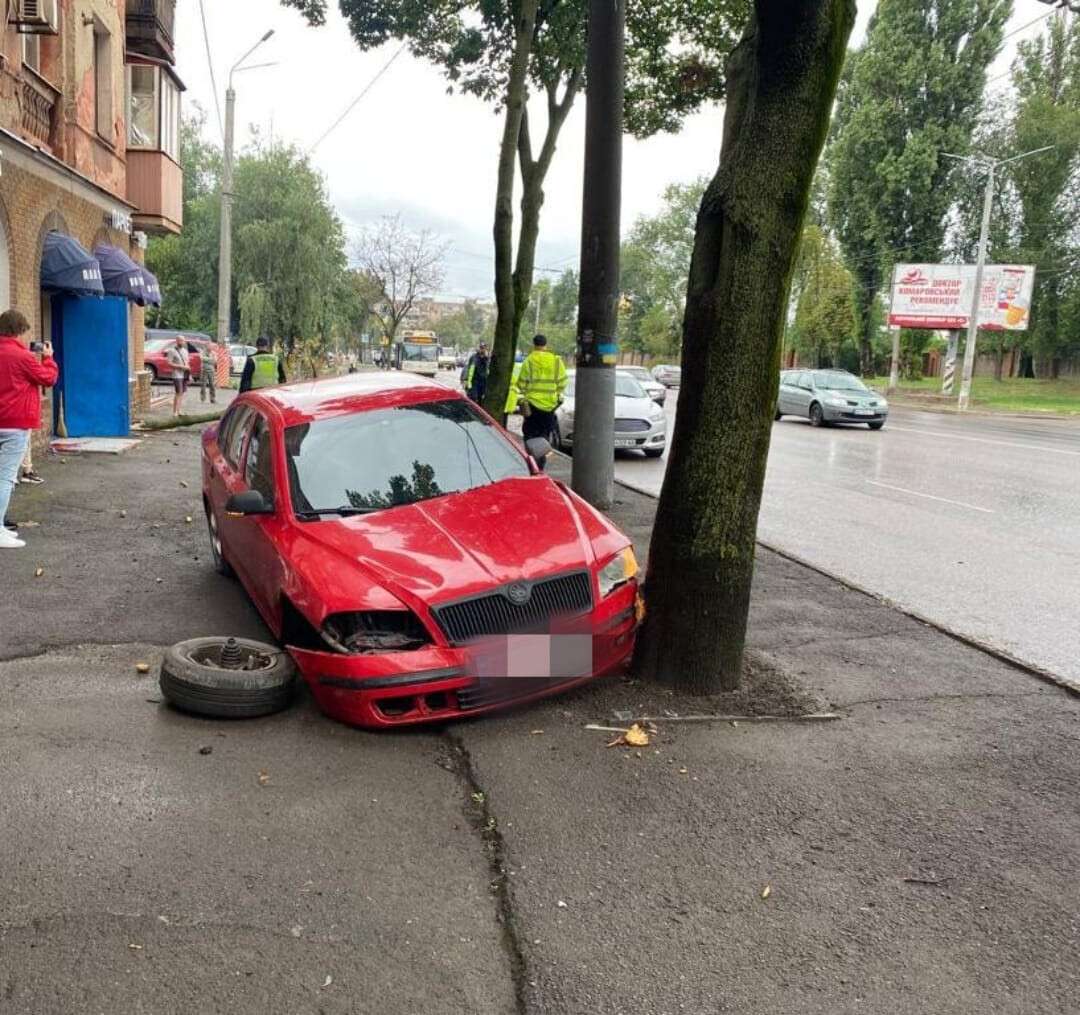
x,y
154,358
411,557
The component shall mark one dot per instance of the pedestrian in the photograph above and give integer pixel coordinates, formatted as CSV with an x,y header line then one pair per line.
x,y
22,377
513,397
176,355
476,374
27,473
208,373
262,370
541,384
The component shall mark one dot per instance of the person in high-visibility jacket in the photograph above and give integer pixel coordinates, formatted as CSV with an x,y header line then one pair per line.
x,y
262,370
513,396
541,383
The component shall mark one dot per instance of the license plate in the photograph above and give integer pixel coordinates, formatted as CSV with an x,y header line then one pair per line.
x,y
864,412
620,443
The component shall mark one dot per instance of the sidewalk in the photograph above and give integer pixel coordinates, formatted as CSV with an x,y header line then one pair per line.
x,y
921,853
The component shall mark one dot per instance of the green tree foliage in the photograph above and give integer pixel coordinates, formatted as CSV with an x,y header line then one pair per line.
x,y
825,320
911,93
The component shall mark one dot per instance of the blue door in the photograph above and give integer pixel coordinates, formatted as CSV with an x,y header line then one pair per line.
x,y
91,337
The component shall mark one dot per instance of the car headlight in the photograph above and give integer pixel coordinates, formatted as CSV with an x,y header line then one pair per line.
x,y
656,414
882,404
375,631
837,403
618,571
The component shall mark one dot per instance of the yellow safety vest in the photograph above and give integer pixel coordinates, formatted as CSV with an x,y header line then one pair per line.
x,y
542,379
265,373
513,396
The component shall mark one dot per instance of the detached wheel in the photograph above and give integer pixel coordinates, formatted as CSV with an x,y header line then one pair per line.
x,y
817,416
217,551
227,678
876,426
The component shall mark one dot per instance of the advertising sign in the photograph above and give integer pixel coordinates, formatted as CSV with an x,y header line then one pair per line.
x,y
939,296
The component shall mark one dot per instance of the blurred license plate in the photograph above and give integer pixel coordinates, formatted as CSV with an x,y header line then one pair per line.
x,y
864,412
622,442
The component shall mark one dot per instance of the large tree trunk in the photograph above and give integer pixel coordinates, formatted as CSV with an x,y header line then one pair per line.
x,y
516,98
782,77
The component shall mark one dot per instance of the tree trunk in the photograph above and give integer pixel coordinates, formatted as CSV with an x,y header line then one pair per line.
x,y
999,362
516,98
782,77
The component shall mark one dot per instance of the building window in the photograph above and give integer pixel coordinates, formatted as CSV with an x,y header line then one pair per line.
x,y
103,83
153,110
31,52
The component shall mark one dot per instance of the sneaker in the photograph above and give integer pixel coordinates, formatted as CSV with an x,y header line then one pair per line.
x,y
31,477
9,542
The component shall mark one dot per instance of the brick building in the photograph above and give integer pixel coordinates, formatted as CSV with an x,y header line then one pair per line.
x,y
89,125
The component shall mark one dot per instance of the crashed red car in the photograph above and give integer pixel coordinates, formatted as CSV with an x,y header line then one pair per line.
x,y
411,557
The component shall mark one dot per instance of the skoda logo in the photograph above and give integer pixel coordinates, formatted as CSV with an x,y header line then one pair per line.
x,y
519,593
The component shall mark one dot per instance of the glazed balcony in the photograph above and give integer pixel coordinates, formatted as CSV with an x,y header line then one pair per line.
x,y
155,185
150,26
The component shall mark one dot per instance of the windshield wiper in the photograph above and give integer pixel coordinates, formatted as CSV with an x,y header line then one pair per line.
x,y
345,511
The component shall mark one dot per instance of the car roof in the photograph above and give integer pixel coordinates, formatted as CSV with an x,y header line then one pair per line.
x,y
304,401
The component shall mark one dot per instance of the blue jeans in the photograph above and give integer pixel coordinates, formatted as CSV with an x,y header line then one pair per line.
x,y
13,444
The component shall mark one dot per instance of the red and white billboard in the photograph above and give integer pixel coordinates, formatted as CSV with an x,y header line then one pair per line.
x,y
939,296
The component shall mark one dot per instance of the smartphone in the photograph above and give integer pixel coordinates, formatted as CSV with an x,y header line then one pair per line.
x,y
36,347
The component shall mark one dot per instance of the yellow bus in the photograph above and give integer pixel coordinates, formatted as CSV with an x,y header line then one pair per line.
x,y
417,352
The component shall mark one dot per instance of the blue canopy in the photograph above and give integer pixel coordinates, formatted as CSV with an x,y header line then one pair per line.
x,y
151,288
67,268
120,275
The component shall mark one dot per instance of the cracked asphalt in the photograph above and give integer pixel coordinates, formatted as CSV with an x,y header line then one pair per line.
x,y
920,854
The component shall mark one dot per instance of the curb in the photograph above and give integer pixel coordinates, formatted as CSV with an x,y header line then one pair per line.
x,y
1031,669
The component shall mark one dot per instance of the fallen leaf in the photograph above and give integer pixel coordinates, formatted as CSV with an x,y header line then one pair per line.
x,y
478,798
561,904
536,733
684,771
183,483
766,891
39,572
264,777
636,736
188,520
142,667
135,947
29,525
328,981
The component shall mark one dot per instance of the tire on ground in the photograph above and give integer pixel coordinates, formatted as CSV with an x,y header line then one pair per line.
x,y
226,694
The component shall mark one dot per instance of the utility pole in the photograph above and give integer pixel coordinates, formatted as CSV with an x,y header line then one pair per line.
x,y
225,235
597,347
991,167
539,303
894,334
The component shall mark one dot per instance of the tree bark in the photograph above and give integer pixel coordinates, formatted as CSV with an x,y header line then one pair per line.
x,y
782,78
516,99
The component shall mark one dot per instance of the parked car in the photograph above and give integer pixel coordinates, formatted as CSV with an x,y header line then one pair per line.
x,y
157,341
448,361
238,355
394,538
830,396
653,388
667,375
640,424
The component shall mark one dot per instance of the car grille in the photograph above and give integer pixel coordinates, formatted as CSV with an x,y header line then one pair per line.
x,y
495,614
484,693
631,426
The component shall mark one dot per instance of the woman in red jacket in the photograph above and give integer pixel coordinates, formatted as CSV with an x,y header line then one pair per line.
x,y
21,378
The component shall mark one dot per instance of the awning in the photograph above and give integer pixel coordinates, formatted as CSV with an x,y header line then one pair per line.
x,y
151,288
120,275
67,268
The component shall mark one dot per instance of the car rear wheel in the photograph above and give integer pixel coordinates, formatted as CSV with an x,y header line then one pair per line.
x,y
217,550
227,678
876,426
152,370
817,416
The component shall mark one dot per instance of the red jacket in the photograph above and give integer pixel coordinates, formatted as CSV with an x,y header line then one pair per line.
x,y
21,379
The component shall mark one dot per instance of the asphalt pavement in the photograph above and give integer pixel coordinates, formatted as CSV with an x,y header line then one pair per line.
x,y
972,522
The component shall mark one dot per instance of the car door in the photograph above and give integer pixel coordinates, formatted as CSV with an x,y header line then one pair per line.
x,y
225,478
783,396
194,360
801,394
255,538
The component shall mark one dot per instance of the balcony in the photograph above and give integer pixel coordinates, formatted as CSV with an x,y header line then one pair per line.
x,y
150,28
155,185
37,100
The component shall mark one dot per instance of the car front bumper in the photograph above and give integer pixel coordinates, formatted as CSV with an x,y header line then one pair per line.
x,y
440,683
654,437
849,414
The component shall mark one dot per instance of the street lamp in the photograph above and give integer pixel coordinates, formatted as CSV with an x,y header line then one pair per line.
x,y
225,238
991,166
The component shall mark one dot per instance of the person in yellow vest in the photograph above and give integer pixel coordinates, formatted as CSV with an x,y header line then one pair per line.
x,y
513,396
541,383
262,370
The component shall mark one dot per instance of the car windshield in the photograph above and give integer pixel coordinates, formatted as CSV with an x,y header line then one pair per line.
x,y
837,380
627,387
157,344
416,353
639,372
370,461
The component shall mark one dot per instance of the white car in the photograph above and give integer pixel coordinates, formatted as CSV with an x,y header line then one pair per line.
x,y
653,388
640,424
238,355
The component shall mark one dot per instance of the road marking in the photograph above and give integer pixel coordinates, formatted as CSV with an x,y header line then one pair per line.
x,y
986,440
930,496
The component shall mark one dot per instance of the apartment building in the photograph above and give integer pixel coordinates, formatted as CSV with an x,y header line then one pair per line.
x,y
89,167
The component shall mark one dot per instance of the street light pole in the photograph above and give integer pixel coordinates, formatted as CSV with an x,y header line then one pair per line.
x,y
225,233
597,349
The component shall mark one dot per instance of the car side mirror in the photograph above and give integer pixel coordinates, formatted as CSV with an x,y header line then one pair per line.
x,y
250,502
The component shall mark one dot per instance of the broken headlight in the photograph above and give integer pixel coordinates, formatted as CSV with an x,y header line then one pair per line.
x,y
374,631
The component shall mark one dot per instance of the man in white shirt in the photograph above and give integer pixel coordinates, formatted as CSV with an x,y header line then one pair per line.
x,y
176,355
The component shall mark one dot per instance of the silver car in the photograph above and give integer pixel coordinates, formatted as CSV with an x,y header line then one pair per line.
x,y
830,396
654,389
640,424
667,375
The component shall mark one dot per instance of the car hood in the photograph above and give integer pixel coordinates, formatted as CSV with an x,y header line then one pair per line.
x,y
857,397
625,408
465,543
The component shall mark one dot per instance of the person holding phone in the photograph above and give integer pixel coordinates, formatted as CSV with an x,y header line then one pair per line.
x,y
22,376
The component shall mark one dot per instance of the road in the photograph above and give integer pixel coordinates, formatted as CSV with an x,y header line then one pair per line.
x,y
971,522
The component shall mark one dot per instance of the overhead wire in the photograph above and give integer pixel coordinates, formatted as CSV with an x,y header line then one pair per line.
x,y
210,64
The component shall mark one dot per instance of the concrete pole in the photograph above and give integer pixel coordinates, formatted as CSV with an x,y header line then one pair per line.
x,y
225,239
948,375
597,348
976,296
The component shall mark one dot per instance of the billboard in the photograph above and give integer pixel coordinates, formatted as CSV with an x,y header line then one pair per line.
x,y
939,296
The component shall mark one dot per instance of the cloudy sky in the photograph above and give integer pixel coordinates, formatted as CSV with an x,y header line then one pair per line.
x,y
408,146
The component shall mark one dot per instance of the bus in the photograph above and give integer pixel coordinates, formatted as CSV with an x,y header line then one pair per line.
x,y
417,352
